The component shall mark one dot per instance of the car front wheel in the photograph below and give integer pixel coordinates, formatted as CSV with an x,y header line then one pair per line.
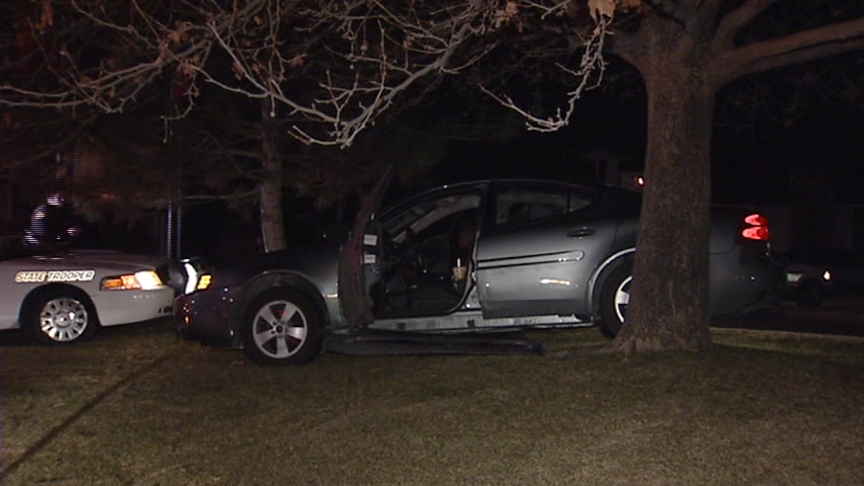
x,y
60,316
614,299
282,327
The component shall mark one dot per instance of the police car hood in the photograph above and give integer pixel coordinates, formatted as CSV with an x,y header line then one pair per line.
x,y
97,259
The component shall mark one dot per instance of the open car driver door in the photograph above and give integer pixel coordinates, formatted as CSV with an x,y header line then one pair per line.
x,y
359,256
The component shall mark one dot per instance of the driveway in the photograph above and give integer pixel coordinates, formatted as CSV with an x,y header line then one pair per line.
x,y
842,314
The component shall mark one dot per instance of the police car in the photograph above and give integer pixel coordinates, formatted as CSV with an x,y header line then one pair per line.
x,y
66,297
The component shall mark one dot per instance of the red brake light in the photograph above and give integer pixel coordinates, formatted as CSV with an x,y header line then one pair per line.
x,y
756,233
756,227
756,219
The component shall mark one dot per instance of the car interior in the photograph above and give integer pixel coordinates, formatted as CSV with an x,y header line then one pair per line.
x,y
427,253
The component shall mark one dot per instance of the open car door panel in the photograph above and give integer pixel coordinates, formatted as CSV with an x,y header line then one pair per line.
x,y
360,259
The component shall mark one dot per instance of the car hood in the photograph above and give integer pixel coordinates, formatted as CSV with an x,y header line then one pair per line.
x,y
317,261
99,259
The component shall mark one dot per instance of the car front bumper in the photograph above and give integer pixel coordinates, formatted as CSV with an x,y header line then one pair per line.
x,y
128,306
205,316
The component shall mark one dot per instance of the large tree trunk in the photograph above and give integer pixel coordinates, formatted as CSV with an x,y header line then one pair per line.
x,y
272,220
669,306
272,217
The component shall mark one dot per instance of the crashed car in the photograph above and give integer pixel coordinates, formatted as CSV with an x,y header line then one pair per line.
x,y
463,258
62,298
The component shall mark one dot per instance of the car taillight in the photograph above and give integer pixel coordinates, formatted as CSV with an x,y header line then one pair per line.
x,y
756,228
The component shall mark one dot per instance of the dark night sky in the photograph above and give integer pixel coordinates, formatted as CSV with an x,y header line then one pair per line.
x,y
826,143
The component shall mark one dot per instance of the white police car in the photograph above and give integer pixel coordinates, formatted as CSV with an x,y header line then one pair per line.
x,y
65,298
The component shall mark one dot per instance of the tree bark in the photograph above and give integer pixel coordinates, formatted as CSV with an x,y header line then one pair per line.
x,y
272,217
669,306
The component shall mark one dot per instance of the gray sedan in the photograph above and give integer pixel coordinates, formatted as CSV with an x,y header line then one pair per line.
x,y
468,257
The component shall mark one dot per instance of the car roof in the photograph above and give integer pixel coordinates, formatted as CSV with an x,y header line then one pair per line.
x,y
615,191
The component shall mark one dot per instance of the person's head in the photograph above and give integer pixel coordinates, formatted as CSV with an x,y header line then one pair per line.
x,y
55,199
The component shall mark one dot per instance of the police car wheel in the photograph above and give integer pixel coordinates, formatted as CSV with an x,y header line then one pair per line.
x,y
282,327
60,316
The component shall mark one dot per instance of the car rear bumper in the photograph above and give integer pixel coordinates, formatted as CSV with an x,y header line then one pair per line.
x,y
743,286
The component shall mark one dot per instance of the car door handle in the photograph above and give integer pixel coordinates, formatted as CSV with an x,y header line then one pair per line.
x,y
580,232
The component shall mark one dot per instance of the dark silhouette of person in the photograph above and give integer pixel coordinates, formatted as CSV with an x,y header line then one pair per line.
x,y
53,224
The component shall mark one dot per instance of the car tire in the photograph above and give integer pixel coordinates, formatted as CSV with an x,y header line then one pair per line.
x,y
614,299
810,294
60,316
282,327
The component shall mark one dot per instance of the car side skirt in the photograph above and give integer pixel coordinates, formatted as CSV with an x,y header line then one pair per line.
x,y
473,320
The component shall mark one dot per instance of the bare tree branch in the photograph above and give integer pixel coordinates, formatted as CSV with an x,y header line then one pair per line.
x,y
792,49
333,67
733,22
381,51
589,75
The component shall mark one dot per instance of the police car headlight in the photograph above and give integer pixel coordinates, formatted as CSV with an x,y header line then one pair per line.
x,y
144,280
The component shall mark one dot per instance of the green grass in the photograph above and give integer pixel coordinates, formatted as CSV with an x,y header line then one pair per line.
x,y
762,408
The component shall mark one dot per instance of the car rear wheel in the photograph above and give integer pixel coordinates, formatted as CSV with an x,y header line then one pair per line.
x,y
282,327
60,316
614,299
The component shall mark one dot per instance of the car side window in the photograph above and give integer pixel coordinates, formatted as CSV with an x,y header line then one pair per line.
x,y
515,206
429,217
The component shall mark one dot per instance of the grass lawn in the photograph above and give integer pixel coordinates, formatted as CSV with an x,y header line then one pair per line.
x,y
136,407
